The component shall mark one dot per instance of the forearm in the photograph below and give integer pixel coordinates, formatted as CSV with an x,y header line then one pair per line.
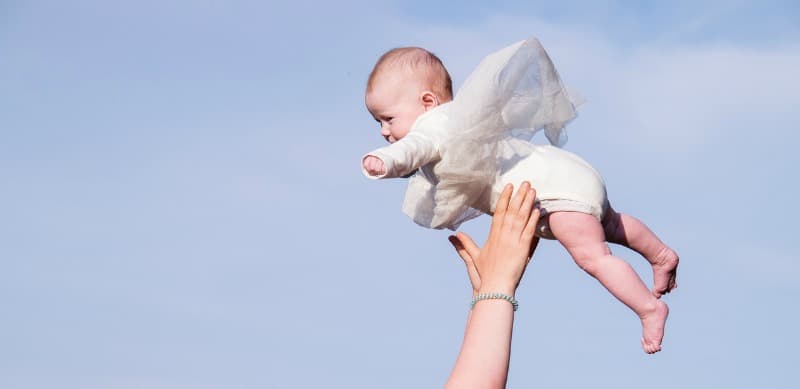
x,y
485,352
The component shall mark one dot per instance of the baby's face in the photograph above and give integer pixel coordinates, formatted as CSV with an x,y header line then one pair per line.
x,y
394,102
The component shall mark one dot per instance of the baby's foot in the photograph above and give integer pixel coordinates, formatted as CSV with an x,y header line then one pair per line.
x,y
653,327
665,269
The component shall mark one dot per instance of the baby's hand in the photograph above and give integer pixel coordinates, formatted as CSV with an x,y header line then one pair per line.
x,y
373,165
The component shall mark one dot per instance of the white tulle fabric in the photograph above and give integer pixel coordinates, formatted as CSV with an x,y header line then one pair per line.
x,y
464,150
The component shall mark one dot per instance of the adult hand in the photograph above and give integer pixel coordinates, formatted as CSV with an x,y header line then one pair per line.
x,y
495,268
499,265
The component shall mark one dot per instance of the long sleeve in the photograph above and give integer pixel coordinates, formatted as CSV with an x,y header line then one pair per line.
x,y
406,155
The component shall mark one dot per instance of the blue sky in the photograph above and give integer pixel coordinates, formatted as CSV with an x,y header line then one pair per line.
x,y
182,205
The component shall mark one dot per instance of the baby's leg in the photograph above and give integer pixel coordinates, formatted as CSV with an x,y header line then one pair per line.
x,y
632,233
583,237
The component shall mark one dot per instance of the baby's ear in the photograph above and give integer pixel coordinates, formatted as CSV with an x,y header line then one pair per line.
x,y
429,100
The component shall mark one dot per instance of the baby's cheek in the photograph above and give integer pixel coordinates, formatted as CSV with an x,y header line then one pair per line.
x,y
400,133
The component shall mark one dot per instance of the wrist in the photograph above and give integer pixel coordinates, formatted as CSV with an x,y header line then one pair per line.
x,y
497,288
495,297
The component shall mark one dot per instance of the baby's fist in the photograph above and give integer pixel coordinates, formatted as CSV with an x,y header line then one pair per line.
x,y
374,165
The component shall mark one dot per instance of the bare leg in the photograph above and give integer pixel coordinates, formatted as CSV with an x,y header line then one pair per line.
x,y
632,233
583,237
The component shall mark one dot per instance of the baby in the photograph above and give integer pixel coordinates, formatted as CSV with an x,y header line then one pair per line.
x,y
459,153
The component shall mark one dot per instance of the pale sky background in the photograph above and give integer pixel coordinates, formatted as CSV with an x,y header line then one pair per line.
x,y
181,204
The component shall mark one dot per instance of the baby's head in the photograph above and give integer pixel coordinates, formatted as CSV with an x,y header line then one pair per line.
x,y
404,83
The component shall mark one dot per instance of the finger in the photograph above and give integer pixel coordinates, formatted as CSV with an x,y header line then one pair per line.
x,y
530,227
514,218
527,202
500,209
467,255
516,201
469,245
525,209
460,249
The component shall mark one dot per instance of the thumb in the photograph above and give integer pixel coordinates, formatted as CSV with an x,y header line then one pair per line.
x,y
460,249
468,244
467,250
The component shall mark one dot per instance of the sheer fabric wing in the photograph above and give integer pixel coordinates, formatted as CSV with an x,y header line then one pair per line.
x,y
513,92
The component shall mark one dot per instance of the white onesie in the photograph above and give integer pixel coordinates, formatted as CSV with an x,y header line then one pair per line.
x,y
466,150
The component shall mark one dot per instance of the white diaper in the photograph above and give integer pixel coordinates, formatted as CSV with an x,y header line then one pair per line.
x,y
547,207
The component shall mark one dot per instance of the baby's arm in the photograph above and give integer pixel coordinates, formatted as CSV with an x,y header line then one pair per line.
x,y
400,158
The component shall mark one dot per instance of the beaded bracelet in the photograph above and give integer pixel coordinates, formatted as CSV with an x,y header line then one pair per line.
x,y
492,296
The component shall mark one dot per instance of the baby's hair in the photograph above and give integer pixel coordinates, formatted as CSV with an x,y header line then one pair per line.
x,y
416,59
